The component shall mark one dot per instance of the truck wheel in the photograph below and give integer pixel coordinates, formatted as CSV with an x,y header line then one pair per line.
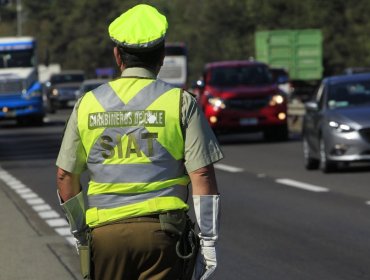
x,y
31,120
22,121
37,120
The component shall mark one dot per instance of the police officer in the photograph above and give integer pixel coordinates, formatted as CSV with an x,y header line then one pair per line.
x,y
142,142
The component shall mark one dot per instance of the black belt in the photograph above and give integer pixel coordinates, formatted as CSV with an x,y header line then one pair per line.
x,y
144,218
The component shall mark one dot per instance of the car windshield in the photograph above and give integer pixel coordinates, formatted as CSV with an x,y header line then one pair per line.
x,y
240,75
349,94
21,58
279,75
88,87
67,78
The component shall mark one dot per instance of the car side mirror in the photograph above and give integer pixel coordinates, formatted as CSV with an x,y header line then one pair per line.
x,y
198,88
311,106
200,84
282,80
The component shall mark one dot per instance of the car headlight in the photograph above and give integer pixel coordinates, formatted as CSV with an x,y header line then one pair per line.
x,y
54,92
276,99
216,102
36,93
31,94
340,127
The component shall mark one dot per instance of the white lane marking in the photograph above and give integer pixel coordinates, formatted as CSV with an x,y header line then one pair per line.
x,y
56,222
44,210
367,202
17,186
228,168
48,214
28,195
71,240
42,207
34,201
23,190
301,185
64,231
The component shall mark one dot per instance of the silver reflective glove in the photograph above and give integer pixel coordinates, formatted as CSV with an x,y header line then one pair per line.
x,y
207,212
74,210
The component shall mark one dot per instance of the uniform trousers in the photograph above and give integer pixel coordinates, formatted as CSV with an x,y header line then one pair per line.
x,y
135,249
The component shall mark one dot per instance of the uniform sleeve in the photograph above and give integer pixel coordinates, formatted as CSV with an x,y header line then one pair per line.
x,y
201,145
72,156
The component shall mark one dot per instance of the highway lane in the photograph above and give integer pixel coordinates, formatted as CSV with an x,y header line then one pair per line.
x,y
269,230
29,154
272,231
285,160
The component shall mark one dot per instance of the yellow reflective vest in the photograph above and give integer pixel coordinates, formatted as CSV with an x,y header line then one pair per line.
x,y
131,131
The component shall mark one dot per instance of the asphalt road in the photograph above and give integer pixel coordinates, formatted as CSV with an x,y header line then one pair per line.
x,y
279,221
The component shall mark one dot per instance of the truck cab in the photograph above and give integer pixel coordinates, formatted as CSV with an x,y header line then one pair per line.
x,y
20,89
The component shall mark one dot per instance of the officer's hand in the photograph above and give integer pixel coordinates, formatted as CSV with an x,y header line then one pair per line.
x,y
206,261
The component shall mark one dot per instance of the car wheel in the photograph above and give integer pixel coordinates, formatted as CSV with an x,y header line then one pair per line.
x,y
37,120
310,163
276,133
63,104
326,165
50,108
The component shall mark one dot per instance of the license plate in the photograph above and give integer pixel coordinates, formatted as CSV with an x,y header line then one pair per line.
x,y
248,121
71,103
10,114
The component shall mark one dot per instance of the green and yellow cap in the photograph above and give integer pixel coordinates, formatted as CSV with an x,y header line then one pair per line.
x,y
141,27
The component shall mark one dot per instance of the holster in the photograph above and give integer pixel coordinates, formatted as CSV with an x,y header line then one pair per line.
x,y
84,252
179,223
173,222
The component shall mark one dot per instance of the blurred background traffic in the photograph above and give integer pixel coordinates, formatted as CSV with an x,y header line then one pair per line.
x,y
285,85
73,34
251,64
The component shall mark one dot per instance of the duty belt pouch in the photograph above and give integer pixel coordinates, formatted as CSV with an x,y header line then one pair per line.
x,y
173,222
85,258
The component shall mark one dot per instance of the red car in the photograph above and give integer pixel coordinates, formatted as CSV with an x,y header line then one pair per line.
x,y
240,96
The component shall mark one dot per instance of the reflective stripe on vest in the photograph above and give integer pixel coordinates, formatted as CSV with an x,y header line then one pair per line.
x,y
129,173
104,201
142,181
96,217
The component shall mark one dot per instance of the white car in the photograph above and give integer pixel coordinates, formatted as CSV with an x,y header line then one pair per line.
x,y
336,126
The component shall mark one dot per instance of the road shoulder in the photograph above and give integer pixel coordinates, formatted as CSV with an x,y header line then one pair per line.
x,y
30,248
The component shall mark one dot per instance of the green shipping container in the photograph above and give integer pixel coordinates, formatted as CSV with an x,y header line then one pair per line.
x,y
298,51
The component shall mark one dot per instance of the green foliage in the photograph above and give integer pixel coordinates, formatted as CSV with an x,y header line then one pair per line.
x,y
8,16
74,33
